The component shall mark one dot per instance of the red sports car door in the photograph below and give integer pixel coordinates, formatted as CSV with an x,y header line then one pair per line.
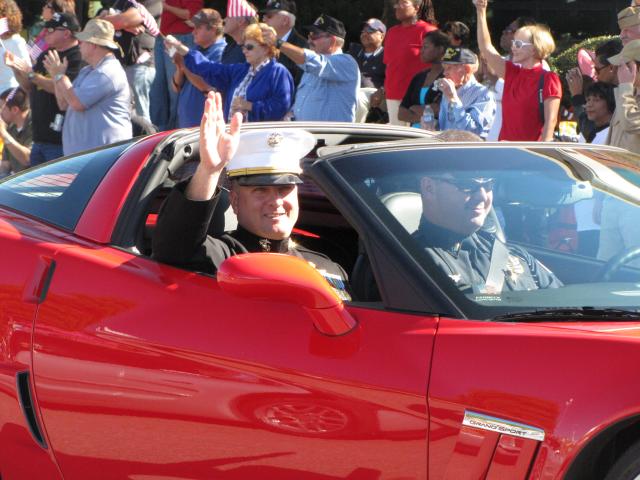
x,y
147,371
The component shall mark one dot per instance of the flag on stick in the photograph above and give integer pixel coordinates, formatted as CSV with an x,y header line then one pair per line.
x,y
240,8
36,48
4,28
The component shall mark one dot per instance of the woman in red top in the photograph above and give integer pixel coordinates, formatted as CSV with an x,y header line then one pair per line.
x,y
402,49
522,74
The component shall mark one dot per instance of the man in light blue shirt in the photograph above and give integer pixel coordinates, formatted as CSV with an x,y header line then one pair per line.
x,y
466,103
97,103
329,87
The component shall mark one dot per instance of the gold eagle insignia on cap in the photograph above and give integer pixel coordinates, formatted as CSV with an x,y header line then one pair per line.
x,y
274,139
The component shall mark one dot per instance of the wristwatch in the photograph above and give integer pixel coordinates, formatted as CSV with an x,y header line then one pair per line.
x,y
31,76
279,43
58,77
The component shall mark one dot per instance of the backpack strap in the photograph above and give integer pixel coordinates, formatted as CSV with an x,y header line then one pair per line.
x,y
540,99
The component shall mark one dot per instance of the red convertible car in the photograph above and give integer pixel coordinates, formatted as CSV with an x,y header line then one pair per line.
x,y
115,366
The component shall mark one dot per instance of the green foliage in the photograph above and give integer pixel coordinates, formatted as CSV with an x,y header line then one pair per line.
x,y
568,59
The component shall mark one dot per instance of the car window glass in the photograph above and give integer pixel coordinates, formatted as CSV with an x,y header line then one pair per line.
x,y
57,192
564,214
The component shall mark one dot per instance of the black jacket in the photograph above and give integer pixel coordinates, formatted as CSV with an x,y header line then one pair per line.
x,y
181,239
466,260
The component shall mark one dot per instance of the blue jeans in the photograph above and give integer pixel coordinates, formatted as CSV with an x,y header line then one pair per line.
x,y
140,78
43,152
164,101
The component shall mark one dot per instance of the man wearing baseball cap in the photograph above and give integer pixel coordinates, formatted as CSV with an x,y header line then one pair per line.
x,y
629,23
263,168
192,89
369,54
47,118
329,86
466,103
625,122
97,102
281,15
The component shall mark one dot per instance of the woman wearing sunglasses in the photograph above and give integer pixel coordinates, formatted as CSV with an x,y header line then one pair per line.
x,y
525,117
261,88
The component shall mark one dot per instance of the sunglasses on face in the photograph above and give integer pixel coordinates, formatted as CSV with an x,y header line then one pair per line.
x,y
248,46
469,186
51,29
519,44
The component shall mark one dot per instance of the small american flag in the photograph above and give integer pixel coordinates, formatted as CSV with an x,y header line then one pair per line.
x,y
239,8
147,19
4,25
12,94
36,48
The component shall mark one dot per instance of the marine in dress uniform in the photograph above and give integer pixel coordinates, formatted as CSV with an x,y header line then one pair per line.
x,y
269,159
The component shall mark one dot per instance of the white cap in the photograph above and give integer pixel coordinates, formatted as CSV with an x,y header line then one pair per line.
x,y
270,157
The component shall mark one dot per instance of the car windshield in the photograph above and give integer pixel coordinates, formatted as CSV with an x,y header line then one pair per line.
x,y
58,191
567,220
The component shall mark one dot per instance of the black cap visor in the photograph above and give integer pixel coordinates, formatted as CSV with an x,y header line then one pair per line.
x,y
268,180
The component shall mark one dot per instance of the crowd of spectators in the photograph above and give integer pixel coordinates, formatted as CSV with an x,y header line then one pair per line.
x,y
146,65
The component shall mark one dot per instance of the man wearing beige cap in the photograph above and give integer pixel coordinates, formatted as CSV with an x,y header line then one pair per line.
x,y
263,168
629,23
620,225
97,102
625,125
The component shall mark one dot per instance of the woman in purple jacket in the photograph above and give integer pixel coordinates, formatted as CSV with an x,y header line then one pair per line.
x,y
261,89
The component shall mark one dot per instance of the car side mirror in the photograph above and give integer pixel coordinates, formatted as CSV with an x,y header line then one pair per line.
x,y
285,278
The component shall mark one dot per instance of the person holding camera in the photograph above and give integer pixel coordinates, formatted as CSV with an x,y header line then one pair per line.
x,y
466,104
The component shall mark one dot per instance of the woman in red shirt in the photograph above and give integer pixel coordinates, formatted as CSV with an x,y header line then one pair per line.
x,y
402,49
522,75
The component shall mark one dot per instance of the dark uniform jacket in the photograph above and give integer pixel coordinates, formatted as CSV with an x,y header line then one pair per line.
x,y
372,68
181,239
466,260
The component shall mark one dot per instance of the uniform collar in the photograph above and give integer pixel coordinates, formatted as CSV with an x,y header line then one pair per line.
x,y
254,243
432,235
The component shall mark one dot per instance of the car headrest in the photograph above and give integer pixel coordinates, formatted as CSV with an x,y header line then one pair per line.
x,y
406,207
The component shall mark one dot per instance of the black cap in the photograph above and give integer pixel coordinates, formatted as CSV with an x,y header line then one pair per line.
x,y
325,23
280,6
63,20
458,55
268,179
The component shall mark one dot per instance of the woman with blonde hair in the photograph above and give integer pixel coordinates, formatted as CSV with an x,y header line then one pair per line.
x,y
261,88
12,42
531,99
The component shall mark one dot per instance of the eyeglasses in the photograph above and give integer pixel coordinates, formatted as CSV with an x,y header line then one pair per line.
x,y
519,44
469,186
597,69
248,46
51,29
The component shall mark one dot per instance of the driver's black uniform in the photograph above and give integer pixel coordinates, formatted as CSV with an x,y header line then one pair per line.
x,y
181,239
467,260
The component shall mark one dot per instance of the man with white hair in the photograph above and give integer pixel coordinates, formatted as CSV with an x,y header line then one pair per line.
x,y
466,104
329,86
281,15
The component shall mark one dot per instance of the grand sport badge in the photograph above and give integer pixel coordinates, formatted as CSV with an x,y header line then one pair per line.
x,y
505,427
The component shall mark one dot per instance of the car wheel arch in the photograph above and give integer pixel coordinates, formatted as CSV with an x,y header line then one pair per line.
x,y
596,458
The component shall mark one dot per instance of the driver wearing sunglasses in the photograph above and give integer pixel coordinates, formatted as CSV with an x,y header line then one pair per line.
x,y
458,230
